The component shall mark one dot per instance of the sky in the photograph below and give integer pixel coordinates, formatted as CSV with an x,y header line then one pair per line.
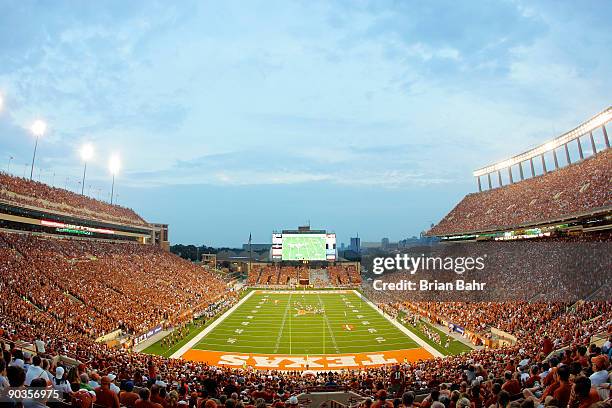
x,y
238,117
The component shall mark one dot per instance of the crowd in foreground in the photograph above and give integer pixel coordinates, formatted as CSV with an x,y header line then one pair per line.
x,y
61,294
524,375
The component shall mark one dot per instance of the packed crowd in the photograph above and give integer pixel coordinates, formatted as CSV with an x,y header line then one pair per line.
x,y
563,269
23,191
501,377
277,274
580,187
93,288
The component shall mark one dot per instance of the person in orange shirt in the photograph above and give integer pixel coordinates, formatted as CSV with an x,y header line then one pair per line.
x,y
561,388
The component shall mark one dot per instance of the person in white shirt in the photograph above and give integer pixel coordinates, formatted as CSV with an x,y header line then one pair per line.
x,y
600,376
59,383
36,371
114,388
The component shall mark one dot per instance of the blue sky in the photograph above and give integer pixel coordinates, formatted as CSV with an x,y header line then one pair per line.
x,y
238,117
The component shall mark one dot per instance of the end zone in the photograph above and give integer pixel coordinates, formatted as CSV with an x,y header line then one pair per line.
x,y
305,362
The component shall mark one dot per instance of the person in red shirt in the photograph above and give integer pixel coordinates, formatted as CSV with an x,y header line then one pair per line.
x,y
547,346
105,396
144,400
381,400
583,396
156,397
80,397
564,389
511,385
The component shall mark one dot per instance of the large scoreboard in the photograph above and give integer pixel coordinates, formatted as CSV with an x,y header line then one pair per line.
x,y
303,246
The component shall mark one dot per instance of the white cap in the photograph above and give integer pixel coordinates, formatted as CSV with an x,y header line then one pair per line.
x,y
59,373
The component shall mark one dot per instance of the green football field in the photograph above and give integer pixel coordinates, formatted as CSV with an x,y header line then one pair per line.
x,y
305,322
297,248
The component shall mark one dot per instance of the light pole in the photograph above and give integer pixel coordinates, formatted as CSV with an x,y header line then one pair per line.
x,y
38,129
114,164
8,168
86,154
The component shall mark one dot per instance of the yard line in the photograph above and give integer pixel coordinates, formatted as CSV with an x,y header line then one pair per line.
x,y
328,325
280,333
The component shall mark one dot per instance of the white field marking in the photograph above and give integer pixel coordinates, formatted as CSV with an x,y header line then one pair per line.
x,y
328,325
403,329
349,344
200,335
265,332
354,337
280,332
305,349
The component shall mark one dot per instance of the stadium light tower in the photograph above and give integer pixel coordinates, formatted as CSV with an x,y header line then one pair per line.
x,y
38,129
114,164
87,152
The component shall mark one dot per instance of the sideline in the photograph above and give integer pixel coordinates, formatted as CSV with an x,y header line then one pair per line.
x,y
403,329
187,346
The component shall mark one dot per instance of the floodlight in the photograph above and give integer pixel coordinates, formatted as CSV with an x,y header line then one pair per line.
x,y
38,128
87,152
114,164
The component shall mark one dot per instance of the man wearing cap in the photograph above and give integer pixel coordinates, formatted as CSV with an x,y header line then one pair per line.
x,y
58,381
293,402
104,396
114,388
127,396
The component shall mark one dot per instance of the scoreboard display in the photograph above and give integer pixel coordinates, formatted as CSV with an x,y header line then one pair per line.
x,y
304,246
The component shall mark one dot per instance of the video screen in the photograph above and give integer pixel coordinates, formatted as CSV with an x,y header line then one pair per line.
x,y
298,247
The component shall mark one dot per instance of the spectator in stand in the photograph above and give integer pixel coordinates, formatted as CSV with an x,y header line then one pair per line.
x,y
105,396
511,384
583,396
35,371
127,396
144,400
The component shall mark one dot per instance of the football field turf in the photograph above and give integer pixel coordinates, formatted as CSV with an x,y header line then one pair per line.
x,y
305,323
315,329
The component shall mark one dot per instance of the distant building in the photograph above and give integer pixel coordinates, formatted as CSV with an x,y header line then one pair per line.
x,y
257,247
355,245
384,243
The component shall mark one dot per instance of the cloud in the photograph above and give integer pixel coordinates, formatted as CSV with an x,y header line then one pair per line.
x,y
369,94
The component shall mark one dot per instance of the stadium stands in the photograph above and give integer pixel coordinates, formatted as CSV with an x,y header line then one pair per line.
x,y
560,194
62,294
277,274
89,285
549,269
32,193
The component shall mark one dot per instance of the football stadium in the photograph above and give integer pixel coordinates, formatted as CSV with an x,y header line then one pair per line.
x,y
505,301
